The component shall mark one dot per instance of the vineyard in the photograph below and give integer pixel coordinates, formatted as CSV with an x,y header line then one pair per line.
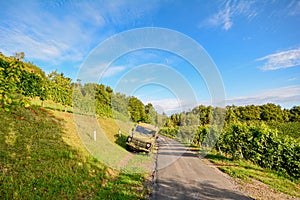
x,y
22,82
265,135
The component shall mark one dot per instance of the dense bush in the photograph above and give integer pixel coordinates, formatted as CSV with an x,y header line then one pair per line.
x,y
262,146
169,132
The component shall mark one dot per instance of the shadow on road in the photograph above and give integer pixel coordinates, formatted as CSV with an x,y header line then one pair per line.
x,y
179,154
201,190
180,174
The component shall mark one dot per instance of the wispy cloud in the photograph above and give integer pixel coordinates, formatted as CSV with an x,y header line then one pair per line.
x,y
282,95
294,8
42,35
280,60
292,79
168,105
111,71
224,17
289,95
56,32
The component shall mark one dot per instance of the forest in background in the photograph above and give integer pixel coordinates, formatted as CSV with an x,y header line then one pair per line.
x,y
267,135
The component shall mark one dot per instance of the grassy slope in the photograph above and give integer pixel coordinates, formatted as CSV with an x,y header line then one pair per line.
x,y
42,157
246,171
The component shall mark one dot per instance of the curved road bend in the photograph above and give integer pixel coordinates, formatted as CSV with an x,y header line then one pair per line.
x,y
180,174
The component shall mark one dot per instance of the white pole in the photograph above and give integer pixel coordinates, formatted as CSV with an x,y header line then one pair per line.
x,y
95,135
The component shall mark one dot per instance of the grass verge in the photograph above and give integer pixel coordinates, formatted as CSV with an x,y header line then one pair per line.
x,y
42,157
247,171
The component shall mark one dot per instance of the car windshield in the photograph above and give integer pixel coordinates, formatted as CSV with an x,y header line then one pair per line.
x,y
144,130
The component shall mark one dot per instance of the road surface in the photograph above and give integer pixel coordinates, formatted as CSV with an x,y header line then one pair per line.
x,y
180,174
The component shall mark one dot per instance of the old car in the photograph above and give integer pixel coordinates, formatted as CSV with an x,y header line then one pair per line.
x,y
142,138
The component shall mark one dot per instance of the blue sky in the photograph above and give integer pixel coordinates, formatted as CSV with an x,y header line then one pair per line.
x,y
255,46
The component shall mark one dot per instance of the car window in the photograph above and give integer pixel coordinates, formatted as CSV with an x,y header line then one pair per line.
x,y
144,130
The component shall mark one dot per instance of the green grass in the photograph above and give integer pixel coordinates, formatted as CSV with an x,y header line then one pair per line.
x,y
43,158
247,171
110,149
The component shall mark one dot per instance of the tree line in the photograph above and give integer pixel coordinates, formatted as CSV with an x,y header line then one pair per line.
x,y
21,81
266,135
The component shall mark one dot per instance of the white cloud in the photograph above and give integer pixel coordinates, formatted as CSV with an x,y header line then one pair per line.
x,y
282,95
224,17
171,105
168,105
42,35
66,31
292,79
93,72
284,59
113,71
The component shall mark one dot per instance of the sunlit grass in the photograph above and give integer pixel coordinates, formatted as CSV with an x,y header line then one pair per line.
x,y
246,171
42,157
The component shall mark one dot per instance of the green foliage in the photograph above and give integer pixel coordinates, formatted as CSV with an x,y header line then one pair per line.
x,y
271,112
151,115
136,109
120,106
59,88
260,134
186,134
295,114
204,113
263,146
31,84
287,129
103,97
83,102
10,78
169,132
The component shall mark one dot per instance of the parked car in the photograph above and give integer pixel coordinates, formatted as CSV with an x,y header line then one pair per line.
x,y
142,138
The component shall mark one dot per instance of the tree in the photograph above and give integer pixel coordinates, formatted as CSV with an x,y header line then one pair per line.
x,y
249,112
205,114
120,106
136,109
59,88
151,115
295,114
31,84
10,73
104,100
231,114
271,112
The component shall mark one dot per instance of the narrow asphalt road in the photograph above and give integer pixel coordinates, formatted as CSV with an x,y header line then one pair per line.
x,y
180,174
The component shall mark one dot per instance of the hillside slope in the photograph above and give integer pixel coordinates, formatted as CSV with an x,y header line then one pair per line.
x,y
42,157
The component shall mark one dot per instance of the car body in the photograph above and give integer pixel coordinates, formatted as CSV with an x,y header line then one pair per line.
x,y
142,138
